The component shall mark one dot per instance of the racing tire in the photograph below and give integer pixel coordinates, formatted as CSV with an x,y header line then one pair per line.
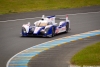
x,y
53,32
67,27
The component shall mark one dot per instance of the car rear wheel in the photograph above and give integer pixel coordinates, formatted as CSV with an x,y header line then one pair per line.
x,y
67,28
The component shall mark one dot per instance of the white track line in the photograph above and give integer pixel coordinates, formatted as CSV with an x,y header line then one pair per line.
x,y
56,15
20,19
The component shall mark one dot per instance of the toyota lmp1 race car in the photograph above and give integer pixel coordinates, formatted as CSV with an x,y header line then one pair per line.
x,y
45,27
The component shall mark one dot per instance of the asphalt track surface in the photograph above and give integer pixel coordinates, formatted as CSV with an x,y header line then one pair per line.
x,y
60,56
11,42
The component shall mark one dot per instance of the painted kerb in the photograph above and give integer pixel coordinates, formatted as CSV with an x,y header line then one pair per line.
x,y
22,58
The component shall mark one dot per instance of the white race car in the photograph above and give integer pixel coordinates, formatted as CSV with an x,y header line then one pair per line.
x,y
45,27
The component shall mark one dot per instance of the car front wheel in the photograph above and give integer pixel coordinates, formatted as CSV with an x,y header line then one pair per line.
x,y
53,33
67,28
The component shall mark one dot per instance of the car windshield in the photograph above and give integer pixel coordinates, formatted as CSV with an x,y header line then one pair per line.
x,y
40,24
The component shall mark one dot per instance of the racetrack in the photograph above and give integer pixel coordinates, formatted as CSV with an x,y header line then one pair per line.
x,y
61,55
11,42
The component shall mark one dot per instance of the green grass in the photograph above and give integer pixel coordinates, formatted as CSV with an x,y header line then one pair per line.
x,y
87,56
17,6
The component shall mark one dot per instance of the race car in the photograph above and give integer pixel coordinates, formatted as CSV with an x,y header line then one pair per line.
x,y
46,27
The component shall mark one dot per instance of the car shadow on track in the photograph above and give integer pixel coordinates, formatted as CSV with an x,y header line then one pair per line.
x,y
43,37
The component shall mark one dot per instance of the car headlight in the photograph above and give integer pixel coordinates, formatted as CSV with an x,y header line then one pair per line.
x,y
42,30
46,29
23,29
45,32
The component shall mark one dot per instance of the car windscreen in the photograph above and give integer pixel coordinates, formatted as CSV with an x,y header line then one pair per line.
x,y
40,24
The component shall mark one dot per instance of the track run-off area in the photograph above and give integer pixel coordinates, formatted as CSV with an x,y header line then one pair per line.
x,y
16,51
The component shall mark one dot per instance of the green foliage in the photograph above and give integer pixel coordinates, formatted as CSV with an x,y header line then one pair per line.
x,y
88,56
16,6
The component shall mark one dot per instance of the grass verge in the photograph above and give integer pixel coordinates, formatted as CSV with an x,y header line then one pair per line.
x,y
88,56
17,6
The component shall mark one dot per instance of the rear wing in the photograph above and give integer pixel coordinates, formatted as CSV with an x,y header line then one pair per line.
x,y
67,20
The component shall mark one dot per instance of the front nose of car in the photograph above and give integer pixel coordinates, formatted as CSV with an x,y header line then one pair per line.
x,y
36,30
